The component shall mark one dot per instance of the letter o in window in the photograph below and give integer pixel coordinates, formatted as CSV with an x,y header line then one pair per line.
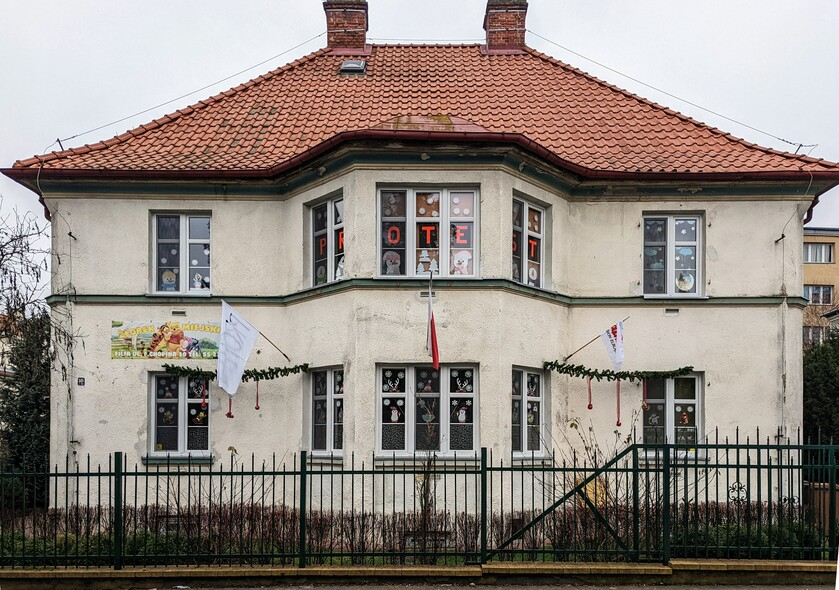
x,y
394,235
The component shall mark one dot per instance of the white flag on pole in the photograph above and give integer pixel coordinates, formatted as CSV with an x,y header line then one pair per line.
x,y
613,341
237,339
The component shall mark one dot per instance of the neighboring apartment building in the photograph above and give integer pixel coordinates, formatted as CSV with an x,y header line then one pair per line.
x,y
315,199
821,279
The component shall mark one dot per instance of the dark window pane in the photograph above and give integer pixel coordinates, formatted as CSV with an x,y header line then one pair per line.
x,y
197,439
199,228
393,380
168,227
393,437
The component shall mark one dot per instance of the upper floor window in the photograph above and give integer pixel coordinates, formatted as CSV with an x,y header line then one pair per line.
x,y
528,411
673,413
819,294
180,422
328,242
528,243
427,409
815,252
672,255
327,410
182,253
414,223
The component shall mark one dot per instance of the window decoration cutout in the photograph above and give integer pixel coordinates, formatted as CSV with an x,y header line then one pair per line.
x,y
327,417
181,415
182,253
527,404
413,226
672,413
527,248
328,242
413,417
671,256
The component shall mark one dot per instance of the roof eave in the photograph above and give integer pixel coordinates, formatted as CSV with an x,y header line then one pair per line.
x,y
28,176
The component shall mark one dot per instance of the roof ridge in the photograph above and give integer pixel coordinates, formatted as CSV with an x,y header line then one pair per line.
x,y
167,118
678,115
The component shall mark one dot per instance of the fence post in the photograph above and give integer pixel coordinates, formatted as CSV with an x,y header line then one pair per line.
x,y
832,505
636,512
483,505
303,492
665,505
118,510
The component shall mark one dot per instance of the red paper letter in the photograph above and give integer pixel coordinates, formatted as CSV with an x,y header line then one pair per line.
x,y
321,245
533,245
428,229
459,234
393,235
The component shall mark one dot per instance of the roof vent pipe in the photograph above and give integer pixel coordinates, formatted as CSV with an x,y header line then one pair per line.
x,y
505,24
346,24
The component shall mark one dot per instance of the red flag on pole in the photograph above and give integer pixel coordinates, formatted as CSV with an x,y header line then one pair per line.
x,y
431,339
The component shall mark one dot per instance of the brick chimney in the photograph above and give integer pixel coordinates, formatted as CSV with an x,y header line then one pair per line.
x,y
505,24
346,24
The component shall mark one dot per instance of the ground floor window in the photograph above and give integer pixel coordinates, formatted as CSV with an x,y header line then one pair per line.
x,y
673,412
327,410
180,415
528,411
814,335
425,409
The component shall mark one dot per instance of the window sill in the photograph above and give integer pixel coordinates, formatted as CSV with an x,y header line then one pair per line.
x,y
535,459
177,460
411,459
206,295
677,297
320,458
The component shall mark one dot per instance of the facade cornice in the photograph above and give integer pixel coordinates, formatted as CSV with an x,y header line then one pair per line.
x,y
421,285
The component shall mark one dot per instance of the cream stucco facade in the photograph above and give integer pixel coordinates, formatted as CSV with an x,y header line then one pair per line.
x,y
741,333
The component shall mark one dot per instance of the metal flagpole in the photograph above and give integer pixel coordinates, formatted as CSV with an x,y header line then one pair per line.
x,y
274,345
587,343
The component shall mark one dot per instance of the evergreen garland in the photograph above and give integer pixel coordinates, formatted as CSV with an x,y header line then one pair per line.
x,y
248,375
609,375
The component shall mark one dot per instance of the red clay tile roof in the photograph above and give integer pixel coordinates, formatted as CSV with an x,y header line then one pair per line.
x,y
278,118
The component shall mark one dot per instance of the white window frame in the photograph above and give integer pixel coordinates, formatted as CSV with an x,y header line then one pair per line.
x,y
525,233
334,394
818,253
810,290
183,417
670,257
332,266
183,241
671,403
522,374
445,219
445,396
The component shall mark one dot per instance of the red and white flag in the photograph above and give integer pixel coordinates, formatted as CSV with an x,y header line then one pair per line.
x,y
613,341
431,339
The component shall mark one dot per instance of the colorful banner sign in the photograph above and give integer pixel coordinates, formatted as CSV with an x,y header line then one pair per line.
x,y
164,340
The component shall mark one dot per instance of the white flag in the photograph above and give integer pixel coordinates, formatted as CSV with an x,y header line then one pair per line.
x,y
236,343
613,341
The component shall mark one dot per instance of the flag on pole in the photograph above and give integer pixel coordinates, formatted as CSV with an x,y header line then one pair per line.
x,y
613,341
431,338
237,339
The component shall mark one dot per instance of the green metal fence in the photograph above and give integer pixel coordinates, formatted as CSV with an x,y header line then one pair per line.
x,y
645,503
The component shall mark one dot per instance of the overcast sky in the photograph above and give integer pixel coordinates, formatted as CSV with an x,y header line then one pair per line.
x,y
69,67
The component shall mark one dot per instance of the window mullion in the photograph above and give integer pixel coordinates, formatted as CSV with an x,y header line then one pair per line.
x,y
329,425
670,410
182,413
410,410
